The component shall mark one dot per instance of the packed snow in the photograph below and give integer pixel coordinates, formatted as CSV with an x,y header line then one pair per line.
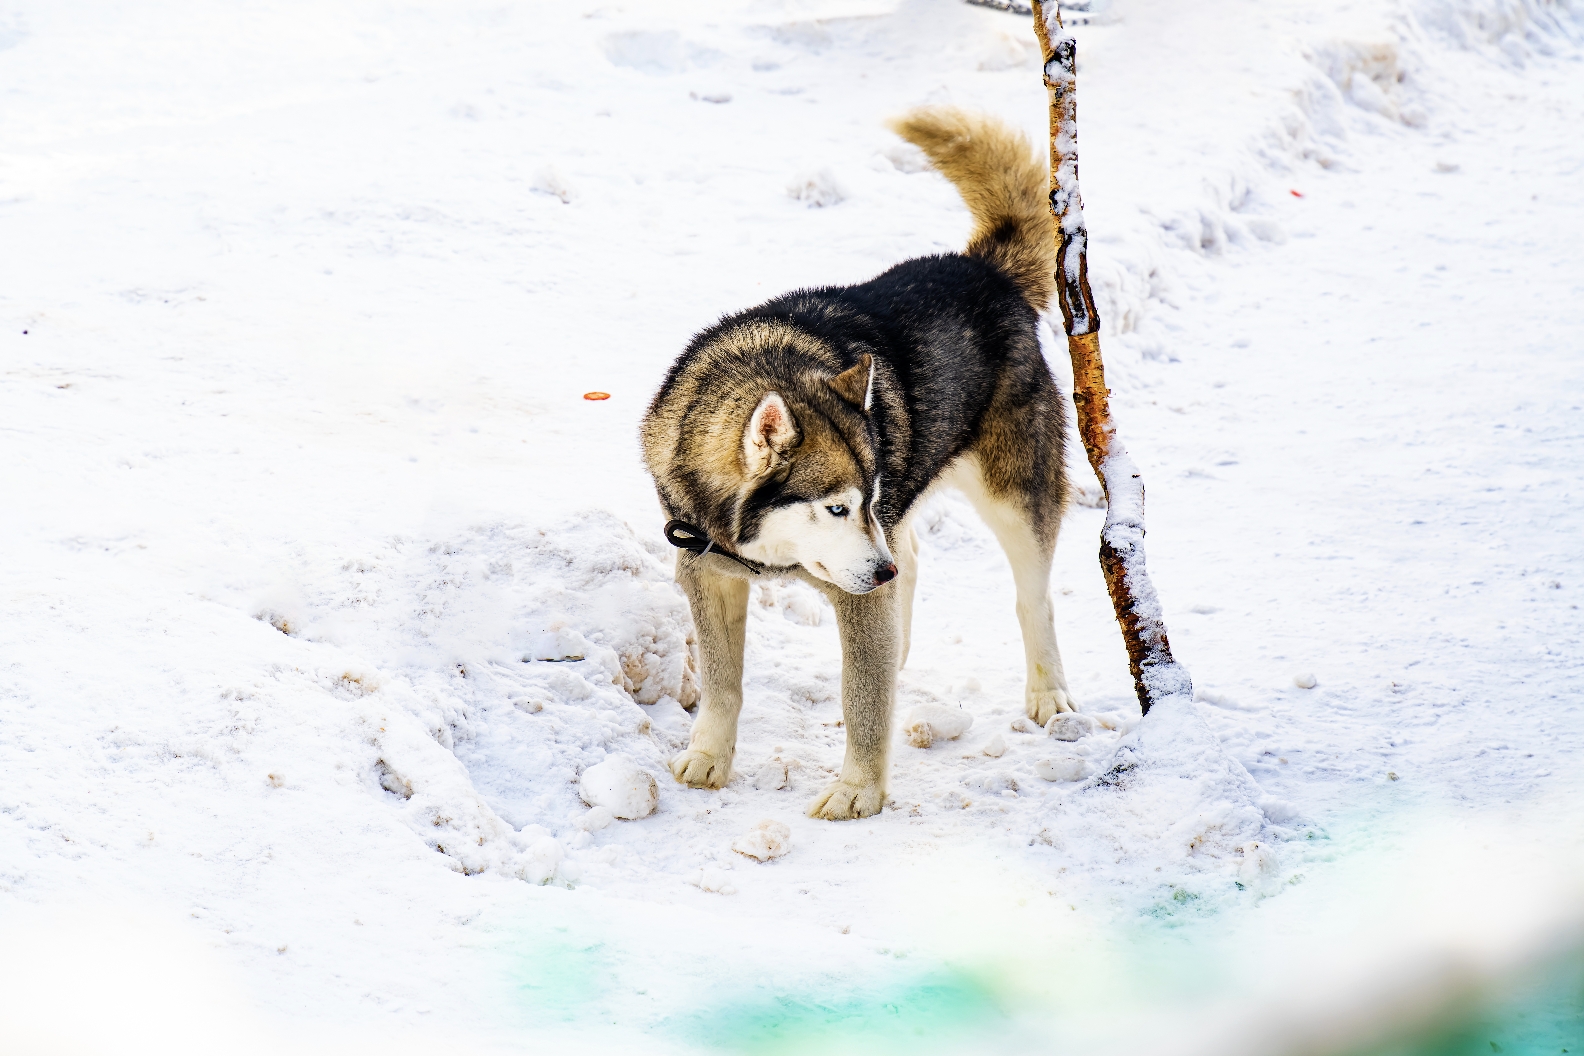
x,y
340,659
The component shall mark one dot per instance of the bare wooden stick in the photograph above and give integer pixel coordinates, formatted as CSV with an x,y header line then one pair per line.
x,y
1155,674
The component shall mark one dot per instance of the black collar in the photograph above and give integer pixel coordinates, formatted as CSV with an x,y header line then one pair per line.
x,y
685,536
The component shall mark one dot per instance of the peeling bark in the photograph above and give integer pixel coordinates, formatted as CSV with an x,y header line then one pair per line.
x,y
1156,675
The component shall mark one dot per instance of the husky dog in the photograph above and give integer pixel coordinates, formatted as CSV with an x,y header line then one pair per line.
x,y
796,438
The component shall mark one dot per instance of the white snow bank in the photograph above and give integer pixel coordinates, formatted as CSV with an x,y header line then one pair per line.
x,y
536,646
579,590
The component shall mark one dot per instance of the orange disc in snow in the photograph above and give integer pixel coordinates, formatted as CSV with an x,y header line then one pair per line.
x,y
596,395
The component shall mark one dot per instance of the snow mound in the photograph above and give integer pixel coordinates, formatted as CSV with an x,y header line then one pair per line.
x,y
583,590
1169,797
1371,75
490,669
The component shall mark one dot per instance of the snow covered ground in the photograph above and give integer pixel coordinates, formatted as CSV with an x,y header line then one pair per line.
x,y
305,518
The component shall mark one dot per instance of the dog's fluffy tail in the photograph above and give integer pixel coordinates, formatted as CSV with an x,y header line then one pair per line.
x,y
1004,185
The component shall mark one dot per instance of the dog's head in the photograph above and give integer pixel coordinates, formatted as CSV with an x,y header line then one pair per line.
x,y
812,485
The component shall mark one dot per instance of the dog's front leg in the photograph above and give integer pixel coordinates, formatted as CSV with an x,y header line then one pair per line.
x,y
720,614
871,650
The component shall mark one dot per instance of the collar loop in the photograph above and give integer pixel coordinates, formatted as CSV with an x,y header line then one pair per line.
x,y
695,540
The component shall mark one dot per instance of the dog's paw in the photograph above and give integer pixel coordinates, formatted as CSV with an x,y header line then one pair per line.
x,y
842,801
1041,704
700,769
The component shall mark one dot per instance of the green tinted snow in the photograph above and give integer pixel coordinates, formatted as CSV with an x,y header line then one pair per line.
x,y
561,975
920,1014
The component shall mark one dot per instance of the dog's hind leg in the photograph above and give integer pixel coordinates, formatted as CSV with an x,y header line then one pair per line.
x,y
720,614
871,648
905,550
1045,693
1030,552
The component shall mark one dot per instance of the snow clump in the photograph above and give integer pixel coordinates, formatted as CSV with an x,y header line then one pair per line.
x,y
771,776
766,840
817,189
929,723
552,181
1061,768
596,819
1258,870
715,880
544,857
620,786
1070,726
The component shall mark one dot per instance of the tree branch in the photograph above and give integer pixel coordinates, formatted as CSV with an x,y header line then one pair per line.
x,y
1156,675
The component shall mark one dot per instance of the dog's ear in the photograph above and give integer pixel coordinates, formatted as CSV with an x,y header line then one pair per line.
x,y
856,383
771,433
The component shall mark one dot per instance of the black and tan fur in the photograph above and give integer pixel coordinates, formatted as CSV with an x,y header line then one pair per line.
x,y
928,375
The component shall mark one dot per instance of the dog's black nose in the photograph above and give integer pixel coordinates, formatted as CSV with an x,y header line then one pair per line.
x,y
885,575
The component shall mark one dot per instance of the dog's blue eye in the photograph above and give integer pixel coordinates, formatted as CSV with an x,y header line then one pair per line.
x,y
837,510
